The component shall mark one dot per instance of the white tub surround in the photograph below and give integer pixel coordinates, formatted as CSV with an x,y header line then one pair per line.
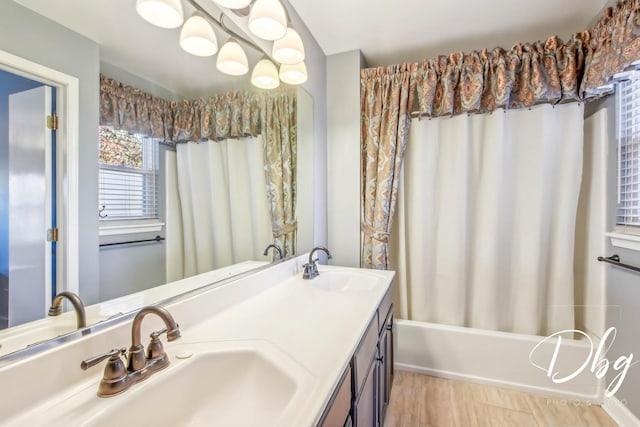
x,y
309,326
496,358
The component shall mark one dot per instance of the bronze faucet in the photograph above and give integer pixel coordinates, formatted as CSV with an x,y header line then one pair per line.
x,y
56,307
116,377
157,358
276,247
311,268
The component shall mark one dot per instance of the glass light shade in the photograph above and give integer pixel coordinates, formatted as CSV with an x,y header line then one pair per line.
x,y
289,49
197,37
232,60
233,4
268,20
265,75
161,13
293,74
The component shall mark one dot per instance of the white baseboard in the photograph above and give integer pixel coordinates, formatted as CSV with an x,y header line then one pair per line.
x,y
620,413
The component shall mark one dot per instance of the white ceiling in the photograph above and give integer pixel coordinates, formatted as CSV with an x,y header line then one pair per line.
x,y
386,31
395,31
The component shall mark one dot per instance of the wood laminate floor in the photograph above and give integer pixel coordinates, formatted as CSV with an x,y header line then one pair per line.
x,y
424,401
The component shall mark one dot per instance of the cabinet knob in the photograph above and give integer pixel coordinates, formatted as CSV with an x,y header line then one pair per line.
x,y
381,359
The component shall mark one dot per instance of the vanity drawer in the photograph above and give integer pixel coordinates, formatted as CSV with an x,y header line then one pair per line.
x,y
365,354
383,309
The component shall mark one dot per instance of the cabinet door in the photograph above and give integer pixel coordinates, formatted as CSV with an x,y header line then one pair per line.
x,y
366,410
385,359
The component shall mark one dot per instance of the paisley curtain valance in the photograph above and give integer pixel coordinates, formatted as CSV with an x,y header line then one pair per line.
x,y
228,115
550,71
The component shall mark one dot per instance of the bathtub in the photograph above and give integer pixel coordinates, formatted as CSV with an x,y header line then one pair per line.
x,y
496,358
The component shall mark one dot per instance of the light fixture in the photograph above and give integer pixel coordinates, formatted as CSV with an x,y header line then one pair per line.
x,y
197,36
233,4
289,49
268,19
232,60
162,13
295,74
265,75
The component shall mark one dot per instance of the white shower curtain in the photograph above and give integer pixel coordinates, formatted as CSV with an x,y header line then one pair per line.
x,y
486,217
223,199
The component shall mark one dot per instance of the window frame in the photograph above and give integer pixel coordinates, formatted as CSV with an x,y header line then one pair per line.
x,y
131,225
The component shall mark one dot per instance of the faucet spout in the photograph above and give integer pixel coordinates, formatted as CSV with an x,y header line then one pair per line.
x,y
137,358
276,247
319,248
173,331
311,269
56,307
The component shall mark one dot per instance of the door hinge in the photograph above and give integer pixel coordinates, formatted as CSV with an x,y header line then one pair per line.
x,y
52,235
52,122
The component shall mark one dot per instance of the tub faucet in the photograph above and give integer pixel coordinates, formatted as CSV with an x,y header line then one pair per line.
x,y
117,378
56,307
311,268
276,247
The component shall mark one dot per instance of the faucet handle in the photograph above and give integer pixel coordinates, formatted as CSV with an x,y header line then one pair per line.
x,y
115,378
156,350
114,355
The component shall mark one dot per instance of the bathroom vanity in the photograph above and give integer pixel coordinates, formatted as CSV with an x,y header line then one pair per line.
x,y
362,394
268,348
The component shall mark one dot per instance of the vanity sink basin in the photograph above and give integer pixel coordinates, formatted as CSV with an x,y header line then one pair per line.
x,y
211,384
347,281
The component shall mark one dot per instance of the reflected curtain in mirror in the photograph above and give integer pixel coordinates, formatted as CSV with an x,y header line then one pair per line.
x,y
225,212
280,162
228,115
222,135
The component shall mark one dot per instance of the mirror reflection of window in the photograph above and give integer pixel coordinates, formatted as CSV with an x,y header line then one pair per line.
x,y
128,175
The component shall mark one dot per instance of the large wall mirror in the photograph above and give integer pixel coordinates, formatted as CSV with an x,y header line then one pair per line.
x,y
209,214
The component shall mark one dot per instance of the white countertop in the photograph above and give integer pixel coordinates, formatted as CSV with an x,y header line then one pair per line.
x,y
317,328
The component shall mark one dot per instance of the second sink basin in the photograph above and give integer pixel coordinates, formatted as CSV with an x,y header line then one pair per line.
x,y
346,280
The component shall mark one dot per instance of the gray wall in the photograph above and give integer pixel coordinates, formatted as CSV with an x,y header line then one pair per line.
x,y
622,286
33,37
343,166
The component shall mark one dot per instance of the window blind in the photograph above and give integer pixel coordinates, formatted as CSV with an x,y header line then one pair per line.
x,y
628,139
127,176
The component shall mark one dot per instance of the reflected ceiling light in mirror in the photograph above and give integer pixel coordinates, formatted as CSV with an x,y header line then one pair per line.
x,y
268,19
161,13
232,60
295,74
265,75
233,4
197,36
289,49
